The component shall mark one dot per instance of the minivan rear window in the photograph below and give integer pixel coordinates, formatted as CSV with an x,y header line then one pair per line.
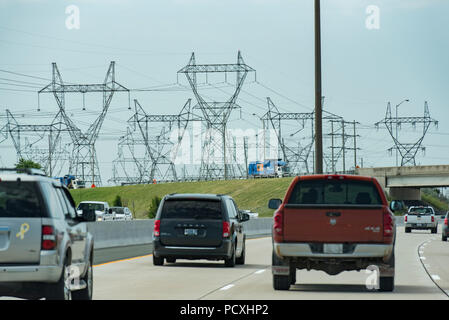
x,y
191,209
20,199
337,192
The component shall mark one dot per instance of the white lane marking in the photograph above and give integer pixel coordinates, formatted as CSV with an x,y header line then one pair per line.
x,y
435,277
422,258
259,271
229,286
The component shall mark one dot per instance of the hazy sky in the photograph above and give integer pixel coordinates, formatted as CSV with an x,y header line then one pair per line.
x,y
406,57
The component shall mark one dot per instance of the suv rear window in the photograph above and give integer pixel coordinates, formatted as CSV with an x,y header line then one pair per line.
x,y
191,209
341,192
20,199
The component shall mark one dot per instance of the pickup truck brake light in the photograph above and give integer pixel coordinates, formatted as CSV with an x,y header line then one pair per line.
x,y
405,218
278,224
445,221
433,219
388,224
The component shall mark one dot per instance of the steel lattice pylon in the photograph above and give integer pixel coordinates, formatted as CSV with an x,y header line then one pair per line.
x,y
161,150
216,159
83,161
26,137
407,150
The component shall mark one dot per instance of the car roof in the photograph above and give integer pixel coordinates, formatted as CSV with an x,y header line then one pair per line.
x,y
103,202
10,176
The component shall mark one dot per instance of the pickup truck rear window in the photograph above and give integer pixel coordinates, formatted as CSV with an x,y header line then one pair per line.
x,y
424,211
191,209
338,192
20,199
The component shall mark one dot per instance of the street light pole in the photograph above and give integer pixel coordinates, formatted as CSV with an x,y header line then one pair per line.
x,y
318,97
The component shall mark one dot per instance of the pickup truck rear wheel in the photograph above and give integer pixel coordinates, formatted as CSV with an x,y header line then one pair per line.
x,y
444,237
386,284
434,230
281,282
407,230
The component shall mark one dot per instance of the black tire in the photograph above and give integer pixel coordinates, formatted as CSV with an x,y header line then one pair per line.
x,y
444,237
280,282
60,290
158,261
386,284
292,275
408,230
434,230
241,259
230,262
171,260
86,293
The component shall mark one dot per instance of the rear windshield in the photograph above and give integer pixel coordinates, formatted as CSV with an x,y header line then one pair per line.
x,y
339,192
91,206
20,200
191,209
420,211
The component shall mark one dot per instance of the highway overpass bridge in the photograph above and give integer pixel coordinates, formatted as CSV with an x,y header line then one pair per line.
x,y
405,183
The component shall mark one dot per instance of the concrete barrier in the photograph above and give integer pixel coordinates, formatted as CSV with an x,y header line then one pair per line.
x,y
108,234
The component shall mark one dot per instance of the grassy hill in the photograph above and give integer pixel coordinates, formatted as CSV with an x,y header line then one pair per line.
x,y
250,194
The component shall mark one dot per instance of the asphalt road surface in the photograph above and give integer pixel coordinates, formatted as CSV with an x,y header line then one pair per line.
x,y
421,273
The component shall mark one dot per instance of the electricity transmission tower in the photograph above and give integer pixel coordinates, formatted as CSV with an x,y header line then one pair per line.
x,y
407,150
26,137
161,149
339,133
297,156
83,161
217,161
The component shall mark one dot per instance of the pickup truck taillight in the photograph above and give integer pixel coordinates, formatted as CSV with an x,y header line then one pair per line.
x,y
157,228
433,219
445,221
278,225
48,238
405,218
388,226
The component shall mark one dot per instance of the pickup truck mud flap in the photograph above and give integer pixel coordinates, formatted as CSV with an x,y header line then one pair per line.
x,y
280,270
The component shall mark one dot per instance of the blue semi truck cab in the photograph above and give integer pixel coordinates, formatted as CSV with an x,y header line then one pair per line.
x,y
267,168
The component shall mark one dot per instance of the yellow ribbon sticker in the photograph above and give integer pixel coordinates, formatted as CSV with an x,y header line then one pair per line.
x,y
23,229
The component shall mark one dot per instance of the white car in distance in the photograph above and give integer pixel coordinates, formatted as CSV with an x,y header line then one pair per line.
x,y
122,213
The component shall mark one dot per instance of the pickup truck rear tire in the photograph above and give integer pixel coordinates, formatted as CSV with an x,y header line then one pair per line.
x,y
444,238
281,282
434,230
408,230
386,284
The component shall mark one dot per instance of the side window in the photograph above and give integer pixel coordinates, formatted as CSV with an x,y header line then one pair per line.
x,y
51,198
67,203
231,209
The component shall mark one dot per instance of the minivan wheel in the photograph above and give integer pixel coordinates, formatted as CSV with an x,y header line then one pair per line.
x,y
241,259
158,261
230,262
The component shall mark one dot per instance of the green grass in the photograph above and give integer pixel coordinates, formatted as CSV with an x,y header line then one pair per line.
x,y
250,194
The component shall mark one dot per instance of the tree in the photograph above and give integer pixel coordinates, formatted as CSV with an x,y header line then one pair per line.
x,y
153,207
24,164
117,202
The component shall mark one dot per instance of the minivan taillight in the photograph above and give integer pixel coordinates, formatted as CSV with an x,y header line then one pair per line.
x,y
278,225
226,229
445,221
48,238
157,228
388,224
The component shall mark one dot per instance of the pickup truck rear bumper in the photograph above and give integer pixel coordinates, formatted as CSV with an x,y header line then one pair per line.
x,y
418,225
305,250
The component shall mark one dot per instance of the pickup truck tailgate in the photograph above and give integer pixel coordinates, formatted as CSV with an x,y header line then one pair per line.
x,y
328,224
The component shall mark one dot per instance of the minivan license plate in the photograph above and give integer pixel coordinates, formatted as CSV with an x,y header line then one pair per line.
x,y
332,248
190,232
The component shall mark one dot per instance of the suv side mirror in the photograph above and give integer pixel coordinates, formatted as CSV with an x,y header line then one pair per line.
x,y
274,203
89,215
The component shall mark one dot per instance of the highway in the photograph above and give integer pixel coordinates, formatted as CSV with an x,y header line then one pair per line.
x,y
137,278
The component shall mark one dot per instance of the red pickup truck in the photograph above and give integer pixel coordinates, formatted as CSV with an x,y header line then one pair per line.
x,y
333,223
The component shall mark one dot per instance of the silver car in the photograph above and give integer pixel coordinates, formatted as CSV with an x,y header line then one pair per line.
x,y
45,248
